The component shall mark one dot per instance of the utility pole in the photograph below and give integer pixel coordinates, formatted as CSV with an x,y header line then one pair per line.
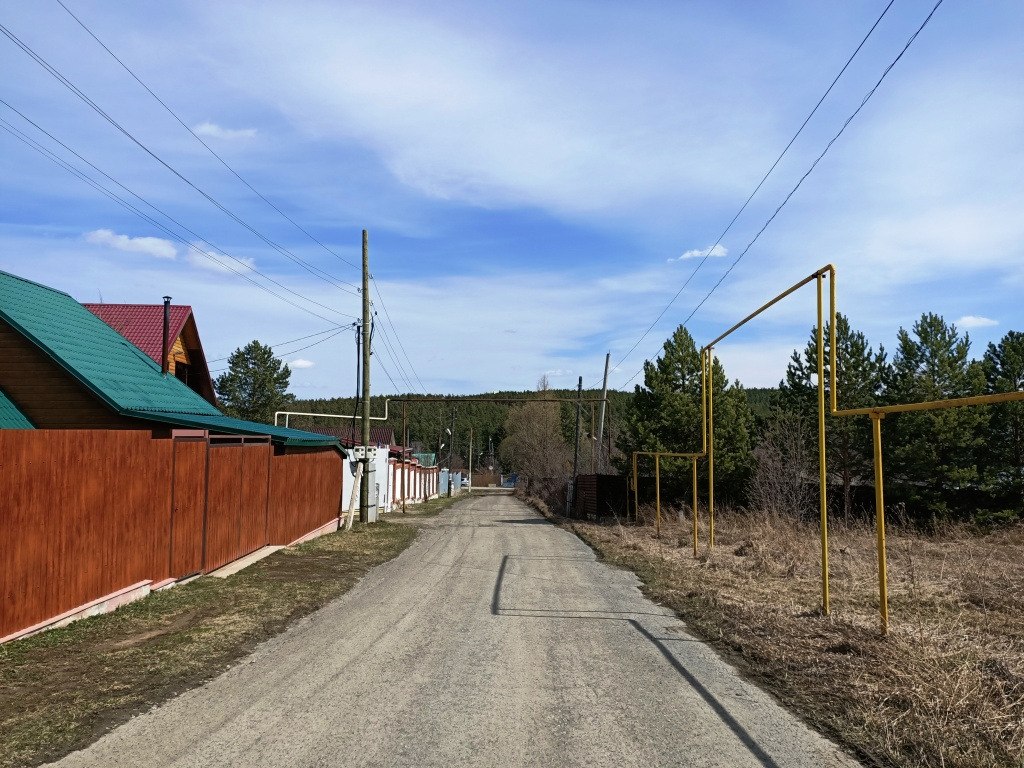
x,y
576,453
469,476
604,400
451,453
405,447
364,491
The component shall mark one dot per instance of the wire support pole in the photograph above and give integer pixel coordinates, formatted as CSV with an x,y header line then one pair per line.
x,y
822,473
364,490
883,586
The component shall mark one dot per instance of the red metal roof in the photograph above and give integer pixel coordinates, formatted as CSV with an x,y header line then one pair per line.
x,y
142,324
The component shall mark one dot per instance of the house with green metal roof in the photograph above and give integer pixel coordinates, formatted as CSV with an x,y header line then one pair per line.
x,y
64,368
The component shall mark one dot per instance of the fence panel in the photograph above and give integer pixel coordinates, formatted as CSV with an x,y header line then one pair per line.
x,y
82,513
305,492
223,505
187,507
255,496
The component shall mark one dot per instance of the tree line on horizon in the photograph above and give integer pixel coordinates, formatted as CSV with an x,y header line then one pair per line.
x,y
962,463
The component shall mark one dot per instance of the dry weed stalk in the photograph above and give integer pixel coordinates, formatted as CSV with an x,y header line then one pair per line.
x,y
946,688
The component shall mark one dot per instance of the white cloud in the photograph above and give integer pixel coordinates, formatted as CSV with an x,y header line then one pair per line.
x,y
718,251
975,321
217,262
215,131
301,363
151,246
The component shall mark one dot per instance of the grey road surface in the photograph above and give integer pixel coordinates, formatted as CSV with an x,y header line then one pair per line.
x,y
495,640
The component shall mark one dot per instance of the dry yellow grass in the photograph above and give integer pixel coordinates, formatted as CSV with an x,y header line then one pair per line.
x,y
945,688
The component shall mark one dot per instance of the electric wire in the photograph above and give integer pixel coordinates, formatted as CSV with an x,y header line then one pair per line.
x,y
760,184
235,173
387,314
292,341
389,349
198,138
291,352
16,133
53,157
313,270
864,101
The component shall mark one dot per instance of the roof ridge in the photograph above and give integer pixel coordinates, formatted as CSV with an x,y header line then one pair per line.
x,y
37,285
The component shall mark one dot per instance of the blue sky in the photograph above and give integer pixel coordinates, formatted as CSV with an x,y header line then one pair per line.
x,y
536,177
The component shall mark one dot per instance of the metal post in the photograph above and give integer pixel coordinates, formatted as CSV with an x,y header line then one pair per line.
x,y
883,587
469,473
576,453
604,400
165,364
636,494
657,494
693,462
364,490
405,447
822,474
593,445
451,454
711,449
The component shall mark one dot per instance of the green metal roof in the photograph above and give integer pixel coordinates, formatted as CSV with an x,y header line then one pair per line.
x,y
10,416
114,369
221,423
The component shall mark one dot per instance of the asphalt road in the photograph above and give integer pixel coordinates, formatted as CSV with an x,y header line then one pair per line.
x,y
495,640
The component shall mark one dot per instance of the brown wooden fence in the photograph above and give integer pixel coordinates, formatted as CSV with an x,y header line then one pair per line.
x,y
88,512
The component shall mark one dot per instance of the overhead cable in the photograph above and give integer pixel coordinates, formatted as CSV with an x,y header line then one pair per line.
x,y
198,138
864,101
760,184
313,270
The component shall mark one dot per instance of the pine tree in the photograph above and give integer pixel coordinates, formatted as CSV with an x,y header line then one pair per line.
x,y
1003,453
860,373
255,385
934,453
666,416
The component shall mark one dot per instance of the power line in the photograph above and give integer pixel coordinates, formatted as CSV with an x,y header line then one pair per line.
x,y
49,155
292,352
864,101
387,314
200,140
31,143
292,341
313,270
760,184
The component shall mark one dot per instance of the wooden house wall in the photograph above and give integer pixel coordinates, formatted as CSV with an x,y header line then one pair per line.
x,y
50,397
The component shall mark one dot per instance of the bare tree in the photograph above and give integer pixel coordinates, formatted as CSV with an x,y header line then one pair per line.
x,y
533,445
785,469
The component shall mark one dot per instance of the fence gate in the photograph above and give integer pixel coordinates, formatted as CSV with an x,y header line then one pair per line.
x,y
237,496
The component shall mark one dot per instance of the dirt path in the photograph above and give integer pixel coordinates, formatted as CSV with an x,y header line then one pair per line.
x,y
496,639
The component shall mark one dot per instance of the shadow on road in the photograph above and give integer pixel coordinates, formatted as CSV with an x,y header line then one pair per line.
x,y
717,707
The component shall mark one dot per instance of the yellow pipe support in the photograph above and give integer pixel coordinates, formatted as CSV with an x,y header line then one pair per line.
x,y
693,463
934,405
883,588
832,334
703,402
822,478
657,493
636,494
711,450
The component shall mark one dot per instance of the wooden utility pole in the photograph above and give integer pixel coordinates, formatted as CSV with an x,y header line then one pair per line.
x,y
576,453
604,401
469,475
405,439
364,490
